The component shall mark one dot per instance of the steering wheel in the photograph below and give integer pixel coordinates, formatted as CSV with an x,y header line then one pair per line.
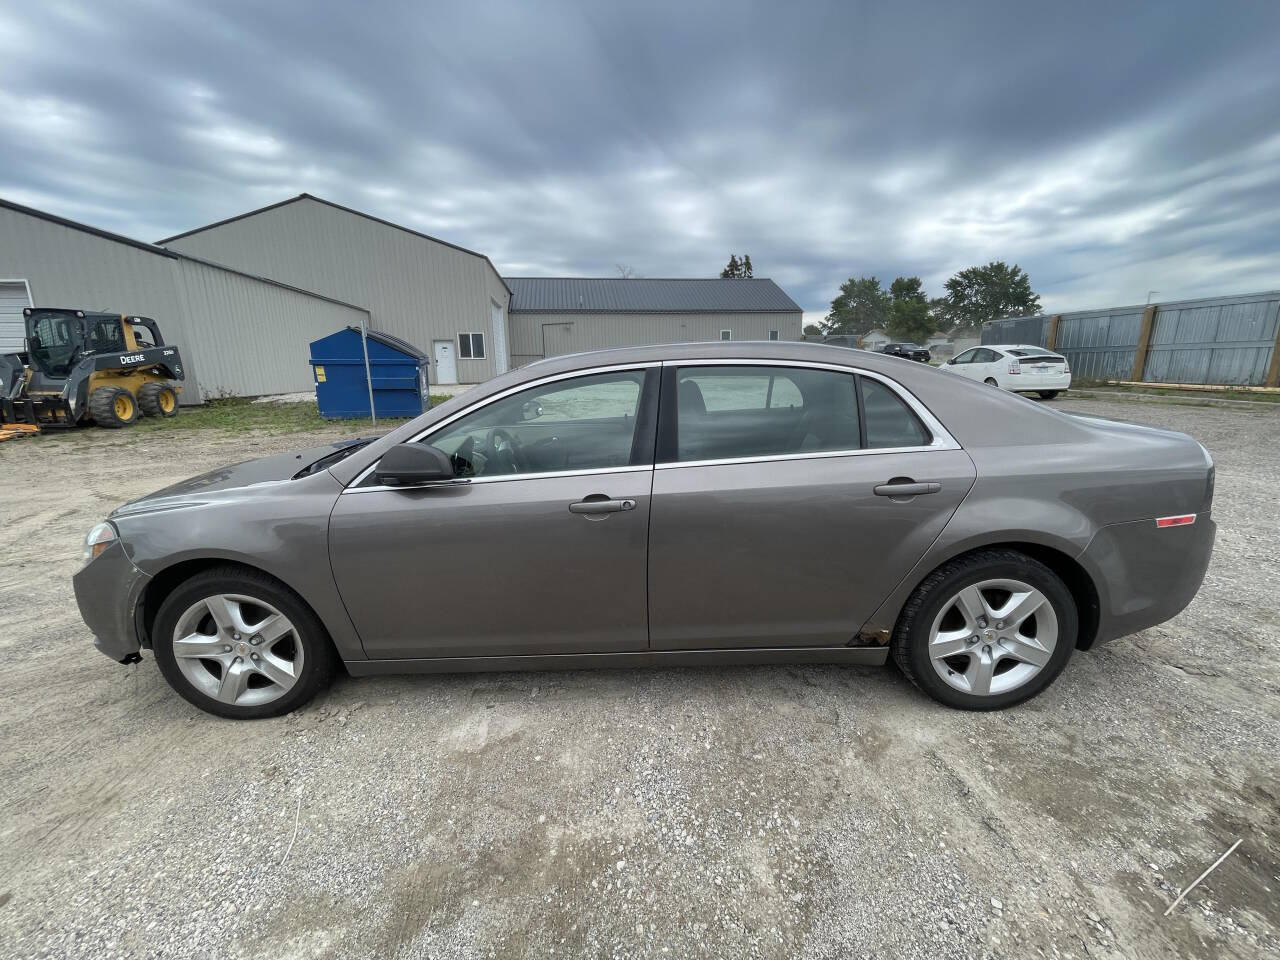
x,y
503,451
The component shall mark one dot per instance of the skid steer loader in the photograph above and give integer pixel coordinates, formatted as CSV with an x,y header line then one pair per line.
x,y
107,368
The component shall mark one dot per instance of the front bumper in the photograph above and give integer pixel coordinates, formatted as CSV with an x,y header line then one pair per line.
x,y
1146,575
108,590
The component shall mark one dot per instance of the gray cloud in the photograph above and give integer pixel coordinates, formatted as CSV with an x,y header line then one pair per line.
x,y
1109,151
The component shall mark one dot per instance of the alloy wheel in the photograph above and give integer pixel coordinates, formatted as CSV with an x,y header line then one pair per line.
x,y
238,649
993,637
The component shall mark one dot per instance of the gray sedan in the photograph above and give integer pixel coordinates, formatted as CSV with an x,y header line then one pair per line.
x,y
687,504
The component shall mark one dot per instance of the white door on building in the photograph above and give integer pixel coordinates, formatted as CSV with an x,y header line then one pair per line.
x,y
446,361
14,295
499,338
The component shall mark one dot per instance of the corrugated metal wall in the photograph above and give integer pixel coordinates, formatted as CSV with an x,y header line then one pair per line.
x,y
1016,330
538,335
1228,340
1218,340
1100,345
238,334
251,337
415,288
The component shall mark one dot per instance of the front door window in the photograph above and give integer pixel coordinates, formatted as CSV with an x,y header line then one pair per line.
x,y
587,423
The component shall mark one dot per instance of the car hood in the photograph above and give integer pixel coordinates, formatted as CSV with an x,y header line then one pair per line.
x,y
279,468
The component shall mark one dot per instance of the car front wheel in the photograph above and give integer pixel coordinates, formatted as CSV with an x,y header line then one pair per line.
x,y
240,644
987,630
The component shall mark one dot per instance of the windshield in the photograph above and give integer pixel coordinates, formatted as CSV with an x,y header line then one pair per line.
x,y
53,340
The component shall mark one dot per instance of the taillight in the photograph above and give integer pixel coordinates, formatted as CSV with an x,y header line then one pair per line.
x,y
1185,520
1066,367
1014,367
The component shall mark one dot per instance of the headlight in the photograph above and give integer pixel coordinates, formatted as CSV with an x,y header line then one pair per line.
x,y
98,539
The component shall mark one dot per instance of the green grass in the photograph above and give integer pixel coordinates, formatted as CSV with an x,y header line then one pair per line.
x,y
240,414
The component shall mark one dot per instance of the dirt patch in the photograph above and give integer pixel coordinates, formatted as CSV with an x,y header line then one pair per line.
x,y
806,811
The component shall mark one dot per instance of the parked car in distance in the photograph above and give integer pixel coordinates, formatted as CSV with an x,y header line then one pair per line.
x,y
911,351
703,503
1020,368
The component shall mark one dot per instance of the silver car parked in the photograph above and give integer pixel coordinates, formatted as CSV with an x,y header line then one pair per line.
x,y
687,504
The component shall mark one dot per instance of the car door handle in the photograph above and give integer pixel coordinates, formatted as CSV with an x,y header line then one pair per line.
x,y
906,488
600,504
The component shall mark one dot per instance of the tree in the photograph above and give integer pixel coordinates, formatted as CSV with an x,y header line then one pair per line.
x,y
988,293
812,330
909,316
737,269
860,307
626,271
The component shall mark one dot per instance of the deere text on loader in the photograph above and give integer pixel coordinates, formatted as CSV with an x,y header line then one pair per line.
x,y
107,368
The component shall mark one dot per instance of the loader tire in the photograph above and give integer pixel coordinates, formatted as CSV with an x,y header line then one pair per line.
x,y
113,407
158,400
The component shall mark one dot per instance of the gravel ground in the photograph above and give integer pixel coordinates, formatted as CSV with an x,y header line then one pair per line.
x,y
747,812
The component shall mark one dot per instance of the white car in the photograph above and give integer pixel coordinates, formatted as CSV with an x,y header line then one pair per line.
x,y
1020,367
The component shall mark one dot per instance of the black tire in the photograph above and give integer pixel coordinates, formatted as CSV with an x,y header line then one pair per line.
x,y
318,661
158,399
113,407
991,382
1049,394
912,633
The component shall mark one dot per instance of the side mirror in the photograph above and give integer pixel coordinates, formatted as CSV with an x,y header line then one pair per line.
x,y
531,410
413,465
951,362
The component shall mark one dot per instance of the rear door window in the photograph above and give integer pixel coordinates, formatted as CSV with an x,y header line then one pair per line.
x,y
755,411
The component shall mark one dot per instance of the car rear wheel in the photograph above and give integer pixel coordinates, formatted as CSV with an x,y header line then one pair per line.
x,y
986,631
240,644
1049,394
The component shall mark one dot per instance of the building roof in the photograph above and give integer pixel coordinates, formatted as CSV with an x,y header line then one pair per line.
x,y
336,206
162,251
618,295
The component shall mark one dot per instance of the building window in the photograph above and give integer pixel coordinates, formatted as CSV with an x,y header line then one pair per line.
x,y
471,346
726,334
773,334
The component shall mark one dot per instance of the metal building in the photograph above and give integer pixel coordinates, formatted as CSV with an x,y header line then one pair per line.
x,y
240,334
558,315
442,298
245,296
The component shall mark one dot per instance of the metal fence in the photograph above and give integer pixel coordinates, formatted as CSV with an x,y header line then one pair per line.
x,y
1221,340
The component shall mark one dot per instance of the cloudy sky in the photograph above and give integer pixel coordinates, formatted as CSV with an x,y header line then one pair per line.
x,y
1110,149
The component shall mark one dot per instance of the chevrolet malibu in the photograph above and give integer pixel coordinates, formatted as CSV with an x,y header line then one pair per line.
x,y
681,504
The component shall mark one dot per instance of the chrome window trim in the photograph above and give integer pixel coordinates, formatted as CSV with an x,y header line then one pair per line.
x,y
778,457
501,395
942,439
506,477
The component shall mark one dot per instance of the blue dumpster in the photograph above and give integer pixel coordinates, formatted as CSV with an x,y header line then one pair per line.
x,y
399,371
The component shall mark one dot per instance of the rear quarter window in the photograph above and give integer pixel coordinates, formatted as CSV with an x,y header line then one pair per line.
x,y
890,422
